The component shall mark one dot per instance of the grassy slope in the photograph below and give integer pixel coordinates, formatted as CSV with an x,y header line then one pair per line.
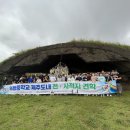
x,y
64,112
82,41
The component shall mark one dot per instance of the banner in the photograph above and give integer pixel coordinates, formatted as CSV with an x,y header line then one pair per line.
x,y
86,87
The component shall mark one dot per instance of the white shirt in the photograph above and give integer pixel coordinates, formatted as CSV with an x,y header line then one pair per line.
x,y
71,79
39,81
52,78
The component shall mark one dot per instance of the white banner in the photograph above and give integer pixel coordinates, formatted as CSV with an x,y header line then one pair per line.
x,y
87,87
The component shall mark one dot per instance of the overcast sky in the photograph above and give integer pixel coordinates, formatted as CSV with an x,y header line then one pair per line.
x,y
31,23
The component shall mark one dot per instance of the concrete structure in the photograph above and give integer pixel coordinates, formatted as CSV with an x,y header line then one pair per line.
x,y
78,56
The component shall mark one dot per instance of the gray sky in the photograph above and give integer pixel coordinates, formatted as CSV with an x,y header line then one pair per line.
x,y
31,23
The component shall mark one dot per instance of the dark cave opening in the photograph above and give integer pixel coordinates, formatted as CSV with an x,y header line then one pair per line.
x,y
73,61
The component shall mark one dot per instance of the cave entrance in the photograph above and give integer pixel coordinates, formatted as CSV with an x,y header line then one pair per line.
x,y
75,64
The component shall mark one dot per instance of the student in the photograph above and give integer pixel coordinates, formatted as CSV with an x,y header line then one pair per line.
x,y
59,78
52,78
78,78
46,78
84,77
101,78
5,81
118,79
38,80
30,79
93,78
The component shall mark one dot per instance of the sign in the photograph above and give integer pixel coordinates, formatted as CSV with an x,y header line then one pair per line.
x,y
86,87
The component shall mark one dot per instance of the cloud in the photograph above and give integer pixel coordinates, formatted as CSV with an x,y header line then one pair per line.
x,y
27,24
4,54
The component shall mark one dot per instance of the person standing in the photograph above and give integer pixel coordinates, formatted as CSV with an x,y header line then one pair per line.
x,y
101,78
93,78
30,79
52,78
5,81
38,80
118,79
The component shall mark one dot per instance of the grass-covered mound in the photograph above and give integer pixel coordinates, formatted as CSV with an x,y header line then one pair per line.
x,y
64,112
87,51
82,41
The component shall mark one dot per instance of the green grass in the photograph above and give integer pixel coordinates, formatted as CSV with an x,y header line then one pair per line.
x,y
64,112
102,43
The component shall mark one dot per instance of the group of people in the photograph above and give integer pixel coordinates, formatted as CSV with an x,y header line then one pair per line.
x,y
42,77
60,73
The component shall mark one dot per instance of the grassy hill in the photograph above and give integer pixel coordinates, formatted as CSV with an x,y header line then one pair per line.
x,y
64,112
81,41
